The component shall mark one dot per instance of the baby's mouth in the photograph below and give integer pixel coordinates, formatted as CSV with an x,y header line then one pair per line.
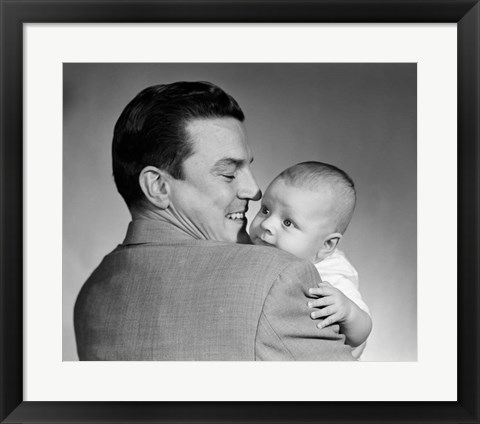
x,y
259,240
236,216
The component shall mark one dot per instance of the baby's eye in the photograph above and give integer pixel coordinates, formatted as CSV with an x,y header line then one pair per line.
x,y
287,222
228,177
265,210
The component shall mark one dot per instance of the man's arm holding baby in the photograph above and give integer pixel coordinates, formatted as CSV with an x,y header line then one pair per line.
x,y
285,330
334,307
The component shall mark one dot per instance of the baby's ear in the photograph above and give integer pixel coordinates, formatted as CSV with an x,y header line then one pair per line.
x,y
331,242
328,246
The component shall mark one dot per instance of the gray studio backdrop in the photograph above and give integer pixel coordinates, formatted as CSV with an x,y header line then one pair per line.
x,y
360,117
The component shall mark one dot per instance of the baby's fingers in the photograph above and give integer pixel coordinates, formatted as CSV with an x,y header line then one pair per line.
x,y
320,291
320,302
324,312
332,319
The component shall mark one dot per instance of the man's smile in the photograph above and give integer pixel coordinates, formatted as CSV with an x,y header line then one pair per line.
x,y
236,215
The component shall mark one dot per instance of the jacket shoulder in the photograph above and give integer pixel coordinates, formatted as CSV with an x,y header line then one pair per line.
x,y
264,252
261,260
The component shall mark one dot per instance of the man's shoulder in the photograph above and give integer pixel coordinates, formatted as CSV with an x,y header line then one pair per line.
x,y
191,254
253,249
250,261
264,254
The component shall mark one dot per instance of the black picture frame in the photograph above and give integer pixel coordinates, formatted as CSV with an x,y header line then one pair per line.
x,y
14,13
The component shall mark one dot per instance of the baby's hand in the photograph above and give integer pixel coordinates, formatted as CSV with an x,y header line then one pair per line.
x,y
335,306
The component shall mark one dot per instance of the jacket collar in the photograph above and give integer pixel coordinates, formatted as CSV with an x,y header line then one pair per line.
x,y
153,231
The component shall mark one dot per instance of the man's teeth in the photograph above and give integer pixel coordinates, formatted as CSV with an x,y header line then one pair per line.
x,y
237,215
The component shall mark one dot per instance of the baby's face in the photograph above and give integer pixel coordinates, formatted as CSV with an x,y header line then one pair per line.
x,y
294,219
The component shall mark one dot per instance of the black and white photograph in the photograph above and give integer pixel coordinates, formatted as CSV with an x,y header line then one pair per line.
x,y
239,212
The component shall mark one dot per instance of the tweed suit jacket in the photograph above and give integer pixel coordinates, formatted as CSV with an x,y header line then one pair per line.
x,y
163,295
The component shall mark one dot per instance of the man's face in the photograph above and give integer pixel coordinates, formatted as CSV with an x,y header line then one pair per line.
x,y
294,219
213,198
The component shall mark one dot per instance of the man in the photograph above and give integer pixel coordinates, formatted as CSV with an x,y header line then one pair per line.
x,y
184,284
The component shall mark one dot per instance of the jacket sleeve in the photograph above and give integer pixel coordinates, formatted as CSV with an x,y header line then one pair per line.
x,y
286,331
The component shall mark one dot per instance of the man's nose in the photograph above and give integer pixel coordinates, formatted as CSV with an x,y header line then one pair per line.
x,y
248,188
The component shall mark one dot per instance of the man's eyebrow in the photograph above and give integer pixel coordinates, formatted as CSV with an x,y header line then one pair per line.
x,y
221,164
225,162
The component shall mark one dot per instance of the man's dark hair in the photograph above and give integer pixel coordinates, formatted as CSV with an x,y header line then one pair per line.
x,y
152,130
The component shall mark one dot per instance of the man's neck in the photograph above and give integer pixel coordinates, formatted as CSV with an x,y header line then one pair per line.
x,y
167,216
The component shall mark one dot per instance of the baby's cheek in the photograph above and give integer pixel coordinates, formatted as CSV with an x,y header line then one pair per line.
x,y
294,247
255,223
253,227
285,244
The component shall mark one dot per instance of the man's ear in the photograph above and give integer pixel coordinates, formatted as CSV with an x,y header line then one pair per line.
x,y
155,185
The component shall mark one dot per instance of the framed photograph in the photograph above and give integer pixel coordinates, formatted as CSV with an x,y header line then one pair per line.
x,y
387,91
361,117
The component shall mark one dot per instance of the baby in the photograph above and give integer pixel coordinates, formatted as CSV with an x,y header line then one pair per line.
x,y
305,211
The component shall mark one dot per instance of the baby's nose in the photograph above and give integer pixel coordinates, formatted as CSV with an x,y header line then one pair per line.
x,y
267,225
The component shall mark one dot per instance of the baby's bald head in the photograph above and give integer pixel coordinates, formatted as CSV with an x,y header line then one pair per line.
x,y
313,175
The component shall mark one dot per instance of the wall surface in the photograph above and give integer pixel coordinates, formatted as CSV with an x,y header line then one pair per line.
x,y
359,117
